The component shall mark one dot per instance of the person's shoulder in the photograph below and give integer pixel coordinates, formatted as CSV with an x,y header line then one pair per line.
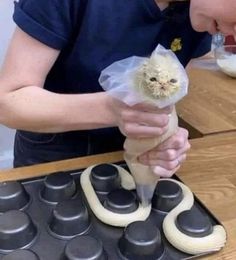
x,y
56,3
49,21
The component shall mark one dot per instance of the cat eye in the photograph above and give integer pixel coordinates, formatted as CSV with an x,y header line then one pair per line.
x,y
173,80
153,79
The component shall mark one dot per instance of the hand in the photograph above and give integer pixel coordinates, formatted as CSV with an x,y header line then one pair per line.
x,y
166,158
140,121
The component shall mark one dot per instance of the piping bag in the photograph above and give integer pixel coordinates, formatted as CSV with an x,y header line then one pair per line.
x,y
159,80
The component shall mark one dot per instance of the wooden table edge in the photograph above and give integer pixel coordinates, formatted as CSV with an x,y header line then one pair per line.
x,y
44,169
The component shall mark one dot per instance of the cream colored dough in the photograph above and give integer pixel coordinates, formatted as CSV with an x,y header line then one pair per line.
x,y
105,215
191,245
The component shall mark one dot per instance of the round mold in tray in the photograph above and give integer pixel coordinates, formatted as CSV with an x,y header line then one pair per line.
x,y
167,195
194,223
105,178
69,218
21,254
13,196
57,187
17,231
121,201
141,240
84,248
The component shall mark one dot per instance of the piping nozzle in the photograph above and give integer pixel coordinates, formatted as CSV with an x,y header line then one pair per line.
x,y
145,193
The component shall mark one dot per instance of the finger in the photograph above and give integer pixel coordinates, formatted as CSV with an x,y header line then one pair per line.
x,y
151,108
168,155
144,118
176,141
141,131
182,158
162,172
168,165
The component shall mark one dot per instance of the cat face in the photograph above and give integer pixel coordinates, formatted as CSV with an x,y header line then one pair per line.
x,y
157,81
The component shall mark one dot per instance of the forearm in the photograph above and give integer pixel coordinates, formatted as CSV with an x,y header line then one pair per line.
x,y
35,109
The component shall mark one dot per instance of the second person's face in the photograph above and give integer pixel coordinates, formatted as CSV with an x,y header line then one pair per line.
x,y
213,16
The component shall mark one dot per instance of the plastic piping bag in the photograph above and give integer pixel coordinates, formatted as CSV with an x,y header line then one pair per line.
x,y
159,80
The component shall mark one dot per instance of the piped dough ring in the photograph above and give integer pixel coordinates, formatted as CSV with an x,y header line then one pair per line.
x,y
105,215
191,245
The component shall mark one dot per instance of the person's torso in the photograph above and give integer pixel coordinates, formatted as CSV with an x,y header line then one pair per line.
x,y
108,31
103,32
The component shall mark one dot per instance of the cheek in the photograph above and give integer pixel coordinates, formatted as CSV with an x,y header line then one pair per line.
x,y
198,19
203,14
227,12
202,23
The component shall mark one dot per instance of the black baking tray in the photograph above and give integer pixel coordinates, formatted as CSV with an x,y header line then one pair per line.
x,y
46,244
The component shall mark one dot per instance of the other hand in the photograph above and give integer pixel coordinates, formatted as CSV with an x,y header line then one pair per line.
x,y
166,158
141,120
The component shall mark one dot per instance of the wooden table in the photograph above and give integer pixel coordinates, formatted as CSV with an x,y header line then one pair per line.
x,y
210,172
210,106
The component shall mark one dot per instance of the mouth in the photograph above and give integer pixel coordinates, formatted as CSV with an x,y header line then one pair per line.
x,y
226,29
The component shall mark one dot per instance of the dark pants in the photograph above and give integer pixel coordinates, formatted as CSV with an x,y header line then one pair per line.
x,y
33,148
